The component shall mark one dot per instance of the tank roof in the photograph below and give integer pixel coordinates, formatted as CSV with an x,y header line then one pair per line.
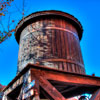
x,y
34,16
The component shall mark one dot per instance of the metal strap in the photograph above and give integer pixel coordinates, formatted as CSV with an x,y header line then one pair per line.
x,y
63,60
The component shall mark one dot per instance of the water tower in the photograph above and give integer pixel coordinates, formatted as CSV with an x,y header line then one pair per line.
x,y
50,38
50,64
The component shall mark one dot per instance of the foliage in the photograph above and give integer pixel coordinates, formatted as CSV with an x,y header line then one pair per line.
x,y
4,33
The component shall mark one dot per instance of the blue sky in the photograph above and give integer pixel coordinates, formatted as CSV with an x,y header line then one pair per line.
x,y
86,11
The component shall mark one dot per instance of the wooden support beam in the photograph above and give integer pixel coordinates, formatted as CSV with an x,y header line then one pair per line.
x,y
43,75
46,95
72,79
70,89
67,77
50,89
96,95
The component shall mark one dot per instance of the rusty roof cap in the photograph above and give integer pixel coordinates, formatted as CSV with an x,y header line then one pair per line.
x,y
32,17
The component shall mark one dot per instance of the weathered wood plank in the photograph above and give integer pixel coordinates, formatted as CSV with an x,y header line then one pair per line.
x,y
65,66
50,89
68,78
36,88
60,66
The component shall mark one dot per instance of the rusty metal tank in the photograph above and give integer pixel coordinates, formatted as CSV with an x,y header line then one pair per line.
x,y
50,38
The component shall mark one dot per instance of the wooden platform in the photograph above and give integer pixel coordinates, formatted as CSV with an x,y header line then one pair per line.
x,y
38,82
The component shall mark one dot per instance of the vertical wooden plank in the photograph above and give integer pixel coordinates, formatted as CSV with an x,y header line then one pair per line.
x,y
78,51
50,36
79,69
45,55
63,41
73,68
41,23
56,51
57,43
69,44
69,48
66,45
36,87
65,66
72,49
60,47
60,66
69,67
55,65
48,32
54,39
58,40
53,42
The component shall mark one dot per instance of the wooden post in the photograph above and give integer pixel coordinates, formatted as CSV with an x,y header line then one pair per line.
x,y
36,88
36,95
